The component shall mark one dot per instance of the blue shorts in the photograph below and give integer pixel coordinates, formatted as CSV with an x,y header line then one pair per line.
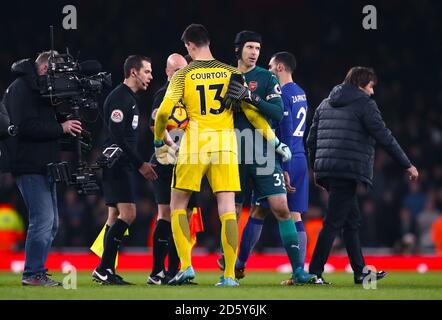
x,y
298,172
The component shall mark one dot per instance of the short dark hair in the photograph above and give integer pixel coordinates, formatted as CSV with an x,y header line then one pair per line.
x,y
134,61
197,34
188,58
287,59
247,36
360,76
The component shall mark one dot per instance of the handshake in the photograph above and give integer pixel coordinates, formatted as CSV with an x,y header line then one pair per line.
x,y
164,153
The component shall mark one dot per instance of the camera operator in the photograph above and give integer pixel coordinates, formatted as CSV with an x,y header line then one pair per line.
x,y
121,118
35,146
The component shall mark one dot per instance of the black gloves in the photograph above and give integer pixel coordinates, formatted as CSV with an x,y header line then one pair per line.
x,y
237,92
231,103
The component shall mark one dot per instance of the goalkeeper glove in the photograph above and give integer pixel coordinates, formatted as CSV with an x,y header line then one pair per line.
x,y
234,105
165,155
282,149
239,92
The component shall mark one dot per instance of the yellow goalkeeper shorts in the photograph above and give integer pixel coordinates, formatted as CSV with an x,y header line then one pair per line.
x,y
220,167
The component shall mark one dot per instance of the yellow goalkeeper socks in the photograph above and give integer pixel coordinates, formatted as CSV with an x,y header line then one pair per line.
x,y
181,236
229,240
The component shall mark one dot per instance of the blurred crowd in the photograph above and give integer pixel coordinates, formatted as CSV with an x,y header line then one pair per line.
x,y
327,39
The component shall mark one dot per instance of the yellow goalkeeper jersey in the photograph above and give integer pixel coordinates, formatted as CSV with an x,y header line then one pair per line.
x,y
201,87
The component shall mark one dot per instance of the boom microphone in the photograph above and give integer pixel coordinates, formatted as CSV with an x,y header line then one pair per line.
x,y
144,83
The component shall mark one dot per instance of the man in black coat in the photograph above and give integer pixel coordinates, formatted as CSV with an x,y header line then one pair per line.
x,y
6,128
341,146
35,146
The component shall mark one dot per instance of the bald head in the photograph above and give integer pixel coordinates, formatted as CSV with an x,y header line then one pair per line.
x,y
174,62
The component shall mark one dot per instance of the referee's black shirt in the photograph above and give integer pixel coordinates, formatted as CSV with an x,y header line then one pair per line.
x,y
121,118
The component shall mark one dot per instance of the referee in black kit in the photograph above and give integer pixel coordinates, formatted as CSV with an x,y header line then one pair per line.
x,y
121,117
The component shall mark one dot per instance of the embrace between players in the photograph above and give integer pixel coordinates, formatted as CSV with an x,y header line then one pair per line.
x,y
219,99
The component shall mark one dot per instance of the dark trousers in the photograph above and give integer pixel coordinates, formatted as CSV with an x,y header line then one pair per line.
x,y
343,214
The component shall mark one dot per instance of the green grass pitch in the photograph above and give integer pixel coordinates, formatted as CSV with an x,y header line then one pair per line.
x,y
256,285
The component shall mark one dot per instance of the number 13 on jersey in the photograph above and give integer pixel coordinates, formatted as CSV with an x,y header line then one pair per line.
x,y
209,100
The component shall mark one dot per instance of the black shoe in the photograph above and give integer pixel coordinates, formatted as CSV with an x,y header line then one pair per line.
x,y
240,273
321,281
318,281
359,279
122,281
189,282
159,279
107,277
41,280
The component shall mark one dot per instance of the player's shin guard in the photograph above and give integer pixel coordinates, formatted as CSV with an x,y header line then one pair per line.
x,y
289,238
229,240
181,236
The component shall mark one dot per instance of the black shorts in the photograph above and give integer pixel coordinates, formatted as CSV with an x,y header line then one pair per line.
x,y
162,185
119,184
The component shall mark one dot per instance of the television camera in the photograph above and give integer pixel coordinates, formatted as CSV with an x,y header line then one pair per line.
x,y
79,86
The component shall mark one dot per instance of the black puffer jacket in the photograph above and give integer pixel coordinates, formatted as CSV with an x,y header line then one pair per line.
x,y
36,144
345,129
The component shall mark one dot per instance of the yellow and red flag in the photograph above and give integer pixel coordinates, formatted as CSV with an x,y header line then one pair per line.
x,y
196,224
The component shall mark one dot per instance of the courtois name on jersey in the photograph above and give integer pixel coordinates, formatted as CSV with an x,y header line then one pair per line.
x,y
292,127
211,124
